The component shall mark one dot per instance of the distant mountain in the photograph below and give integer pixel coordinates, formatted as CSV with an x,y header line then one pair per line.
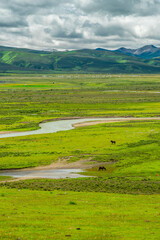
x,y
14,49
101,49
146,52
78,61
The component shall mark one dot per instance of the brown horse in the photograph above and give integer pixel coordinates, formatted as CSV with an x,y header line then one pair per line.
x,y
113,142
102,168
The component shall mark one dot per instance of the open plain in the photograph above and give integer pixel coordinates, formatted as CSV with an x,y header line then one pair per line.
x,y
119,203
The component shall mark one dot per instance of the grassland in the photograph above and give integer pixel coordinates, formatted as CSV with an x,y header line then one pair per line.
x,y
27,100
4,178
61,215
119,203
122,185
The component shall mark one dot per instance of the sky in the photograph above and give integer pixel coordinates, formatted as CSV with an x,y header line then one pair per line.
x,y
77,24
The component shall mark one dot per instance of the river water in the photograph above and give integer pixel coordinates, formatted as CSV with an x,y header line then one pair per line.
x,y
52,127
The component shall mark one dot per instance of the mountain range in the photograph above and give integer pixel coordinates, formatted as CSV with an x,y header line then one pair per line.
x,y
122,60
146,52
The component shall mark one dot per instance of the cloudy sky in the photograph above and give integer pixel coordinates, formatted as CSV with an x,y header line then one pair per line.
x,y
75,24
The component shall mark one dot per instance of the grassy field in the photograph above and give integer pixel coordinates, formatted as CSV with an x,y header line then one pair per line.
x,y
27,100
4,178
108,184
61,215
119,203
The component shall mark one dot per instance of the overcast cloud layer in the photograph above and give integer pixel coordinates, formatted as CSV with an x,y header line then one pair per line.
x,y
76,24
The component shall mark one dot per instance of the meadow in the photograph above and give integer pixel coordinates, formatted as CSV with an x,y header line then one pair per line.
x,y
119,203
27,100
26,214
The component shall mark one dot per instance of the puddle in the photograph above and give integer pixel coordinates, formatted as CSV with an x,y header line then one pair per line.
x,y
50,173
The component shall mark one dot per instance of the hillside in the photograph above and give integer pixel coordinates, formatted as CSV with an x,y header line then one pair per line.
x,y
80,61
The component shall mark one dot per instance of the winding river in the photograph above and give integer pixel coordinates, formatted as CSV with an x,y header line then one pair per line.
x,y
64,125
52,127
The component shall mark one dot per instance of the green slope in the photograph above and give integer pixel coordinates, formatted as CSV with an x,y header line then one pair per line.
x,y
82,61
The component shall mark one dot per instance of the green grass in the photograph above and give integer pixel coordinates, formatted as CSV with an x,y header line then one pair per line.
x,y
4,178
8,57
27,100
61,215
123,185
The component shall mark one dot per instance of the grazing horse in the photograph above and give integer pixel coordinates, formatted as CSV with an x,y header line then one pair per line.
x,y
102,168
113,142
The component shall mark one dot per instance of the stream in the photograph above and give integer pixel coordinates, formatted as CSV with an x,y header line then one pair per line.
x,y
52,127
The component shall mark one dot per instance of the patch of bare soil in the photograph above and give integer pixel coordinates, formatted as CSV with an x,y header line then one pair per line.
x,y
6,132
65,164
84,124
19,179
61,164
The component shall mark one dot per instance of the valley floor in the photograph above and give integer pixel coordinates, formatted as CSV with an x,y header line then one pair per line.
x,y
121,202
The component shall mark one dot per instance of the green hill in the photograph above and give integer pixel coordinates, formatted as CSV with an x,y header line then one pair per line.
x,y
79,61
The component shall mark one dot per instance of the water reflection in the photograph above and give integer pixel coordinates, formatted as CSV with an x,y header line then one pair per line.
x,y
49,173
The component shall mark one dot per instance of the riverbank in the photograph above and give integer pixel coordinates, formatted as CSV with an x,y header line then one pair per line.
x,y
84,124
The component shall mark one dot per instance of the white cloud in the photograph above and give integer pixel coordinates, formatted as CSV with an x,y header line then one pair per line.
x,y
75,24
